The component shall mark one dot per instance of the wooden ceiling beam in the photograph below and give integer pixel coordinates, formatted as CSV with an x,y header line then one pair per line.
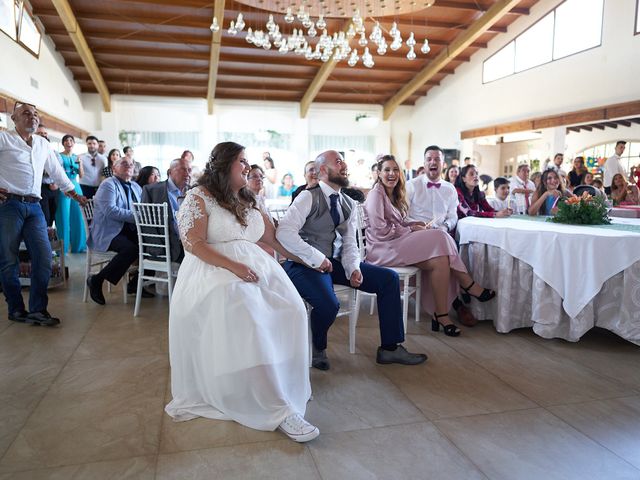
x,y
458,45
624,123
65,12
145,52
214,60
321,77
477,7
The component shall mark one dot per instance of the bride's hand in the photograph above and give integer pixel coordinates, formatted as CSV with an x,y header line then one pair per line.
x,y
243,272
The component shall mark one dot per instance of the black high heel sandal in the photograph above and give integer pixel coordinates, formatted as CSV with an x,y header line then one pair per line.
x,y
450,330
485,296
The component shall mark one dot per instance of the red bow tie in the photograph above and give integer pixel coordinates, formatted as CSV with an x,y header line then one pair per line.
x,y
431,184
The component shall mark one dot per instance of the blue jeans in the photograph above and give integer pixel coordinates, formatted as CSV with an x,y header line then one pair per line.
x,y
24,221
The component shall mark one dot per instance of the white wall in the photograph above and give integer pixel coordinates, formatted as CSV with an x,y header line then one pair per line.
x,y
55,82
603,75
577,142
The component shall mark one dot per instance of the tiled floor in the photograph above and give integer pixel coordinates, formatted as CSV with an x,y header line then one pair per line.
x,y
85,401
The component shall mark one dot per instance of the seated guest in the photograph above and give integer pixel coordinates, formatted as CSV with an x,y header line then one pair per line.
x,y
522,188
148,176
535,178
587,179
320,228
451,173
565,181
288,187
310,176
471,201
598,184
501,200
622,193
171,192
354,194
374,173
394,242
113,228
435,202
420,170
577,174
114,155
547,195
255,183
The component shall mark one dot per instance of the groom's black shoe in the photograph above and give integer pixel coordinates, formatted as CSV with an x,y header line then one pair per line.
x,y
399,355
95,289
319,359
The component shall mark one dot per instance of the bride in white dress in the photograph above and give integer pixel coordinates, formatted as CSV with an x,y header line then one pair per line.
x,y
237,328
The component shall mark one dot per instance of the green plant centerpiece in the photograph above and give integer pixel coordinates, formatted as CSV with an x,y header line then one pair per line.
x,y
584,210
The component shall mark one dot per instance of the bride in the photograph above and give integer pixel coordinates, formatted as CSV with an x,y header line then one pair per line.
x,y
237,328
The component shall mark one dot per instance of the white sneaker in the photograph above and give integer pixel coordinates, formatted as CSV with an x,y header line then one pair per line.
x,y
298,429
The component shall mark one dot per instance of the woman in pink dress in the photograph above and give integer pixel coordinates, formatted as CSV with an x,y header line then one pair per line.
x,y
393,242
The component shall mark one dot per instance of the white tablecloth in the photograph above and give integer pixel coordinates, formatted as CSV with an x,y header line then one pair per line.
x,y
574,260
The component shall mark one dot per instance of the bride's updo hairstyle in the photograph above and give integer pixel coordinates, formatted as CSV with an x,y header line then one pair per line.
x,y
216,181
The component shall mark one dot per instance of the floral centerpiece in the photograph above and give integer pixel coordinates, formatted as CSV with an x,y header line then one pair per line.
x,y
584,210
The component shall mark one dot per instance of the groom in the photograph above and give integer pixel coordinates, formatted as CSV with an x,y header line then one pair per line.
x,y
319,227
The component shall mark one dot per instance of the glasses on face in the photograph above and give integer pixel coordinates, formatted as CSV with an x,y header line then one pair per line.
x,y
256,177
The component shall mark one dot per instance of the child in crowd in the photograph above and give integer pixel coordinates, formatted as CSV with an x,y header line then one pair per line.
x,y
501,200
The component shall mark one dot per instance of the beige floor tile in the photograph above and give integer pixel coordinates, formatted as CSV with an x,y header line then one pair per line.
x,y
95,410
21,389
450,385
615,424
544,376
355,394
399,452
279,460
139,468
533,444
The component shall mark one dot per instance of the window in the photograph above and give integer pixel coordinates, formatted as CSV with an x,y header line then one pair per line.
x,y
596,156
29,36
572,27
637,30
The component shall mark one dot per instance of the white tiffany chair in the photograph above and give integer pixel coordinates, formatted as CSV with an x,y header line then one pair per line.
x,y
152,224
405,274
96,260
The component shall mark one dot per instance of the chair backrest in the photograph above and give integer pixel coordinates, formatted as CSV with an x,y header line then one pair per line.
x,y
277,213
87,215
360,236
591,190
152,224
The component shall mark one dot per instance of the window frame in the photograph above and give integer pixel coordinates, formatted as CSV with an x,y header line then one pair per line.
x,y
15,21
35,24
553,42
636,29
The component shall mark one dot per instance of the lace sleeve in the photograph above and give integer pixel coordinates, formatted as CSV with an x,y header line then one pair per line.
x,y
193,219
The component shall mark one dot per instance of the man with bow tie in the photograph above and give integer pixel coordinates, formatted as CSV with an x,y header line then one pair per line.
x,y
435,202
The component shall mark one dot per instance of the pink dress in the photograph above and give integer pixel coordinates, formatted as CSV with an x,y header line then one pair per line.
x,y
391,243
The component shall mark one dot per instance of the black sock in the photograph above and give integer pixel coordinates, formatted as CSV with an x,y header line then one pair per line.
x,y
390,348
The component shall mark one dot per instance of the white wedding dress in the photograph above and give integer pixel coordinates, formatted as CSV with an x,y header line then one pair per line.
x,y
238,350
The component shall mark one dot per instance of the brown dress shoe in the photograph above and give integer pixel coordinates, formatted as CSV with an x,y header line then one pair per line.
x,y
465,317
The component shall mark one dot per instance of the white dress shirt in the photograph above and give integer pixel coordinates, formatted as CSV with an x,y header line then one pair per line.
x,y
498,204
519,203
288,232
427,204
91,176
611,167
22,166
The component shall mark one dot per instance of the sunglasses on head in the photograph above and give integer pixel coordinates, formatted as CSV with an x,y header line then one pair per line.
x,y
17,105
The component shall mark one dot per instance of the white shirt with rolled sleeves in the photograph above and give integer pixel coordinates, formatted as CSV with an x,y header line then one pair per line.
x,y
294,219
612,167
519,203
22,166
432,204
91,175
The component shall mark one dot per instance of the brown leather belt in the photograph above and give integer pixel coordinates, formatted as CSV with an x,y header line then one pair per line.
x,y
22,198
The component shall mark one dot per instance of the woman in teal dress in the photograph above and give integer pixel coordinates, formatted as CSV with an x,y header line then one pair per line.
x,y
68,215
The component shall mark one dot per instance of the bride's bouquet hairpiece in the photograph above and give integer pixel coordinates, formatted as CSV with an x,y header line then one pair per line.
x,y
212,159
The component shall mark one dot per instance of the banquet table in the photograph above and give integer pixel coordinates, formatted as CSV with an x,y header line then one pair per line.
x,y
561,280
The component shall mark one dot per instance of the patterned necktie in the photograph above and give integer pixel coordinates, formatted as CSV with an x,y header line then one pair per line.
x,y
335,215
432,184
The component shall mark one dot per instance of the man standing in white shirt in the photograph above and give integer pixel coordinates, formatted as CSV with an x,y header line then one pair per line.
x,y
613,166
435,202
430,199
92,163
320,228
23,159
522,189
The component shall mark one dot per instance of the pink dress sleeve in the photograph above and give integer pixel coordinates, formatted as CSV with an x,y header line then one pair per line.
x,y
385,223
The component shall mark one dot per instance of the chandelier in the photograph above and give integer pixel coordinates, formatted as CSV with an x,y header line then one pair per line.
x,y
308,35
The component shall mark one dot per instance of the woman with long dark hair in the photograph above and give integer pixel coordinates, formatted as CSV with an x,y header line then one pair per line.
x,y
148,175
471,201
69,221
394,242
237,327
113,157
547,195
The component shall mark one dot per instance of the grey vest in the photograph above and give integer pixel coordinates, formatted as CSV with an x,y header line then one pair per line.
x,y
319,230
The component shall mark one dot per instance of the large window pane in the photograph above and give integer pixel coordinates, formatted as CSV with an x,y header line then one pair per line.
x,y
637,16
499,65
535,46
578,26
29,34
7,18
